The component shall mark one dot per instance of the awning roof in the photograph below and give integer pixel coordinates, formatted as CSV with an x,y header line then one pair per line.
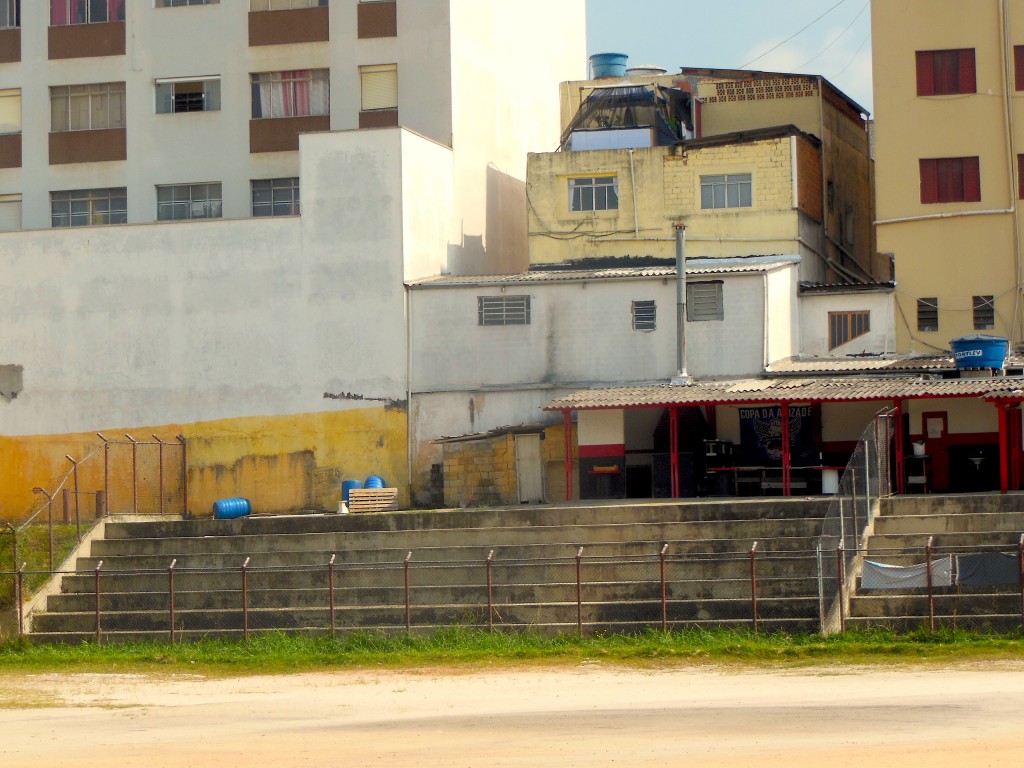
x,y
818,390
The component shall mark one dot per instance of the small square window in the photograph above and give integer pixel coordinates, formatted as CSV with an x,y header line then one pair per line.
x,y
503,310
928,314
275,197
704,301
645,316
984,312
946,72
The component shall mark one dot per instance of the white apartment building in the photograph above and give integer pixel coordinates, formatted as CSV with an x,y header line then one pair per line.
x,y
208,211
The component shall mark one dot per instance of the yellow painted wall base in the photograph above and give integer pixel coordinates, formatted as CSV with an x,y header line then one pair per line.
x,y
280,463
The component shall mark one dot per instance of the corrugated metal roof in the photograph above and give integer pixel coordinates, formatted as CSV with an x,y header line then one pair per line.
x,y
845,389
848,365
723,265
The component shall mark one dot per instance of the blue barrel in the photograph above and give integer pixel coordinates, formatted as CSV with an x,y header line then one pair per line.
x,y
349,485
980,350
374,481
608,64
229,509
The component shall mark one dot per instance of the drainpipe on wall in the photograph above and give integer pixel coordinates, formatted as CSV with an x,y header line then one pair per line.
x,y
682,378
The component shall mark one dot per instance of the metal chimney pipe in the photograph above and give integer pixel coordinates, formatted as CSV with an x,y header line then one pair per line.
x,y
682,378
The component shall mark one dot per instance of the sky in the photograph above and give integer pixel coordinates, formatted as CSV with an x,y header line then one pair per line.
x,y
741,34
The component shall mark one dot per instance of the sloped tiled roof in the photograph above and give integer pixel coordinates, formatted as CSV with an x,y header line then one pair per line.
x,y
842,389
866,364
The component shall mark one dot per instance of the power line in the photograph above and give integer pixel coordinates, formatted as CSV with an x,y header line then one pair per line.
x,y
852,58
798,32
836,38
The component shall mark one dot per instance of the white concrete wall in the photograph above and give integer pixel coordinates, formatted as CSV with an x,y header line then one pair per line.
x,y
733,346
782,336
814,309
178,323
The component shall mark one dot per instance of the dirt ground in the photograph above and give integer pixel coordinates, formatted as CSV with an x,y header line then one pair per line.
x,y
589,715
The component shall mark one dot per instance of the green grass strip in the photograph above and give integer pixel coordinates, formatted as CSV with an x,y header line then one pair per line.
x,y
470,648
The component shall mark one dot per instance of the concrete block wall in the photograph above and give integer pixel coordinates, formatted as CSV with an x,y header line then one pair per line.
x,y
480,472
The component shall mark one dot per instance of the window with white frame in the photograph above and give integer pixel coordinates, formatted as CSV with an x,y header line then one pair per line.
x,y
87,107
645,315
593,193
10,14
503,310
89,207
10,110
10,212
188,95
291,93
176,202
275,197
178,3
65,12
733,190
704,301
379,87
283,5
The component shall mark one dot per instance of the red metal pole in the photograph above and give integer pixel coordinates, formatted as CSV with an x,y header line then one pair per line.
x,y
579,591
184,475
170,594
106,470
19,597
99,631
673,437
160,451
901,476
490,594
664,591
245,599
1004,453
330,582
842,587
567,422
135,475
753,586
787,457
931,592
1020,560
408,600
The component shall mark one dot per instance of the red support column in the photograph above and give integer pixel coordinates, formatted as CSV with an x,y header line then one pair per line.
x,y
567,421
787,458
673,437
1004,454
1013,421
901,473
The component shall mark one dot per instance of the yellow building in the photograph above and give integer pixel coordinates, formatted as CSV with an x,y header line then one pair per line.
x,y
949,144
717,111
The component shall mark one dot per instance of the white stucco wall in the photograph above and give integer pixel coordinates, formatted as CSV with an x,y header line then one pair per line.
x,y
602,428
782,335
814,310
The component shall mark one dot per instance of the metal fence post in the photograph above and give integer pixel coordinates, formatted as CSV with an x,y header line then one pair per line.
x,y
330,583
78,513
931,591
490,591
135,474
1020,561
821,590
664,590
170,594
184,475
842,587
579,591
106,470
245,599
753,586
160,454
19,599
99,630
408,600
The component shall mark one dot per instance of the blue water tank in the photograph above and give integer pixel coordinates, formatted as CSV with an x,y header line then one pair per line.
x,y
229,509
374,481
349,485
980,350
608,64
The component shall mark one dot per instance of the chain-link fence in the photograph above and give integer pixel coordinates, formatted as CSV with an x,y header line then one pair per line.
x,y
866,479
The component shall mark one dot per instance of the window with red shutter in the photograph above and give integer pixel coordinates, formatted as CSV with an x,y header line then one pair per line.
x,y
941,73
950,180
1018,67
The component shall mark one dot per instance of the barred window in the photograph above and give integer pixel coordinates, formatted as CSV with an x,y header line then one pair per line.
x,y
846,326
87,107
176,202
596,193
645,315
726,191
275,197
704,301
984,312
87,207
503,310
188,95
928,314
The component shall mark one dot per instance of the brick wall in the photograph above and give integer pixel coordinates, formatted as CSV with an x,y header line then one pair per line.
x,y
480,472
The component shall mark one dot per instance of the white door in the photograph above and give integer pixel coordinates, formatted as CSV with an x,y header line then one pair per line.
x,y
529,469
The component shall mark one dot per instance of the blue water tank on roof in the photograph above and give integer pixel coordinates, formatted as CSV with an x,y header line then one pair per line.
x,y
980,350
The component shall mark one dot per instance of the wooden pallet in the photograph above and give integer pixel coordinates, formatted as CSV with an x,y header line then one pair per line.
x,y
372,499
